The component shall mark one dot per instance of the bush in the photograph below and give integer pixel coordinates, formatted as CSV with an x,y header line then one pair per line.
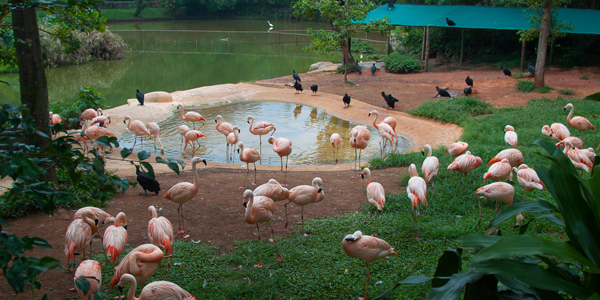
x,y
399,63
525,86
544,89
87,98
566,92
454,110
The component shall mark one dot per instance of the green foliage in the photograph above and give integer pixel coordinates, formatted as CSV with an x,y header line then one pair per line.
x,y
402,63
566,92
455,110
544,89
584,76
88,97
519,75
525,86
558,29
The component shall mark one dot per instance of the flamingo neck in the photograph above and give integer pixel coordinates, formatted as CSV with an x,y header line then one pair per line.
x,y
251,125
242,151
570,114
129,123
429,152
375,120
182,111
91,223
248,215
196,179
131,292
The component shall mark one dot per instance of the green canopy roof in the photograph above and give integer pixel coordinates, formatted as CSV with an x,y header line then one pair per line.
x,y
585,21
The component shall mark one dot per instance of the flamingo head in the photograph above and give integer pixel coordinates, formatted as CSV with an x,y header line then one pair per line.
x,y
247,196
249,118
271,140
568,106
353,237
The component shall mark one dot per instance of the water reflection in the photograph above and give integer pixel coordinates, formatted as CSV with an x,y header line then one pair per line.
x,y
308,129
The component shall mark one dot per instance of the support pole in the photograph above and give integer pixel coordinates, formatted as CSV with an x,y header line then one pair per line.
x,y
423,45
387,48
523,48
427,51
347,50
462,44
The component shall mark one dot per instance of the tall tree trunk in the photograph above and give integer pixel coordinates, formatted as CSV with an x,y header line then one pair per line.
x,y
346,53
32,75
540,64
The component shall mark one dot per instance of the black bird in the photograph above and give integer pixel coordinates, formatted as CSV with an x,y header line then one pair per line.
x,y
469,81
296,77
506,71
358,69
298,87
346,100
373,69
314,88
390,4
450,22
389,99
140,96
531,69
146,181
442,92
468,91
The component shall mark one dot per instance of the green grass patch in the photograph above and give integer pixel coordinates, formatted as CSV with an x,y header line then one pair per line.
x,y
127,14
584,76
453,110
519,75
566,92
525,86
544,89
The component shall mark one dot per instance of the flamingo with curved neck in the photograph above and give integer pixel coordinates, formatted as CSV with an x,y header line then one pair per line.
x,y
138,128
260,128
386,131
192,116
259,209
580,123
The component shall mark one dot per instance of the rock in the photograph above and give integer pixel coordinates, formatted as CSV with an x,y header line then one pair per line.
x,y
321,66
158,97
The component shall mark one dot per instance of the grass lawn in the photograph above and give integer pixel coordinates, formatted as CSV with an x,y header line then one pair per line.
x,y
316,267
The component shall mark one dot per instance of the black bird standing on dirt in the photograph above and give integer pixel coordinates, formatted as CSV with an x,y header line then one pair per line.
x,y
469,81
390,4
531,69
140,96
298,87
146,181
373,69
314,88
467,91
389,99
506,71
442,92
296,77
346,100
358,69
450,22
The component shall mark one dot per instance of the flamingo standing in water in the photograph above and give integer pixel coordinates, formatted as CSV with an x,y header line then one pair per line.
x,y
259,209
514,156
465,163
359,139
303,195
499,191
142,262
225,128
580,123
91,271
154,130
385,130
157,290
191,116
456,149
190,137
283,147
499,171
417,192
232,139
430,166
528,179
335,140
138,128
89,114
367,248
510,136
556,131
260,128
183,129
160,232
375,196
184,191
79,235
249,156
115,237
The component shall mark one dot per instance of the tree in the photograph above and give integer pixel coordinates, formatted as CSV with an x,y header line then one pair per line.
x,y
343,19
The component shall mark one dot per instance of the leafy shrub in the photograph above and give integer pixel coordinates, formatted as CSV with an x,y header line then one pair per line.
x,y
454,110
525,86
87,98
402,63
566,92
351,69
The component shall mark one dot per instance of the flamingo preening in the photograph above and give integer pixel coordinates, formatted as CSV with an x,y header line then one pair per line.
x,y
465,163
375,196
191,116
89,114
575,141
499,171
283,147
79,234
514,156
556,131
510,136
157,290
115,237
272,189
456,149
91,271
528,179
259,209
142,262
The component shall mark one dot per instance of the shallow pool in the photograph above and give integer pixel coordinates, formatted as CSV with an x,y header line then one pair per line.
x,y
308,128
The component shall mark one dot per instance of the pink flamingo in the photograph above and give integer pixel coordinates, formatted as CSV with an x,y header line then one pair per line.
x,y
273,190
528,179
102,121
115,237
259,209
579,159
303,195
249,156
499,191
192,116
510,136
95,132
91,271
90,114
417,192
232,139
367,248
184,191
456,149
375,196
154,130
142,262
260,128
190,137
385,130
590,153
580,123
55,119
160,233
226,129
103,217
182,130
157,290
499,171
79,235
359,139
556,131
430,166
335,140
514,156
465,163
575,141
283,147
80,135
138,128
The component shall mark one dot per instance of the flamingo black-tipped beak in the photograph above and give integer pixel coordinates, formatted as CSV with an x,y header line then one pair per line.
x,y
245,205
120,289
350,239
124,122
565,109
423,152
239,131
125,227
96,222
248,122
204,161
320,190
516,226
362,176
511,182
216,121
369,114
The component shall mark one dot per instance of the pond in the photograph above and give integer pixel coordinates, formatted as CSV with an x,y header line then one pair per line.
x,y
180,55
308,128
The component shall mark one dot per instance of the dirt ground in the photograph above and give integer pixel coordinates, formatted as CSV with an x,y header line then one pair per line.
x,y
216,215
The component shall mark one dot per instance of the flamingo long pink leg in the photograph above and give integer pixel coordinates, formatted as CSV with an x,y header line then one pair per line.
x,y
259,265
